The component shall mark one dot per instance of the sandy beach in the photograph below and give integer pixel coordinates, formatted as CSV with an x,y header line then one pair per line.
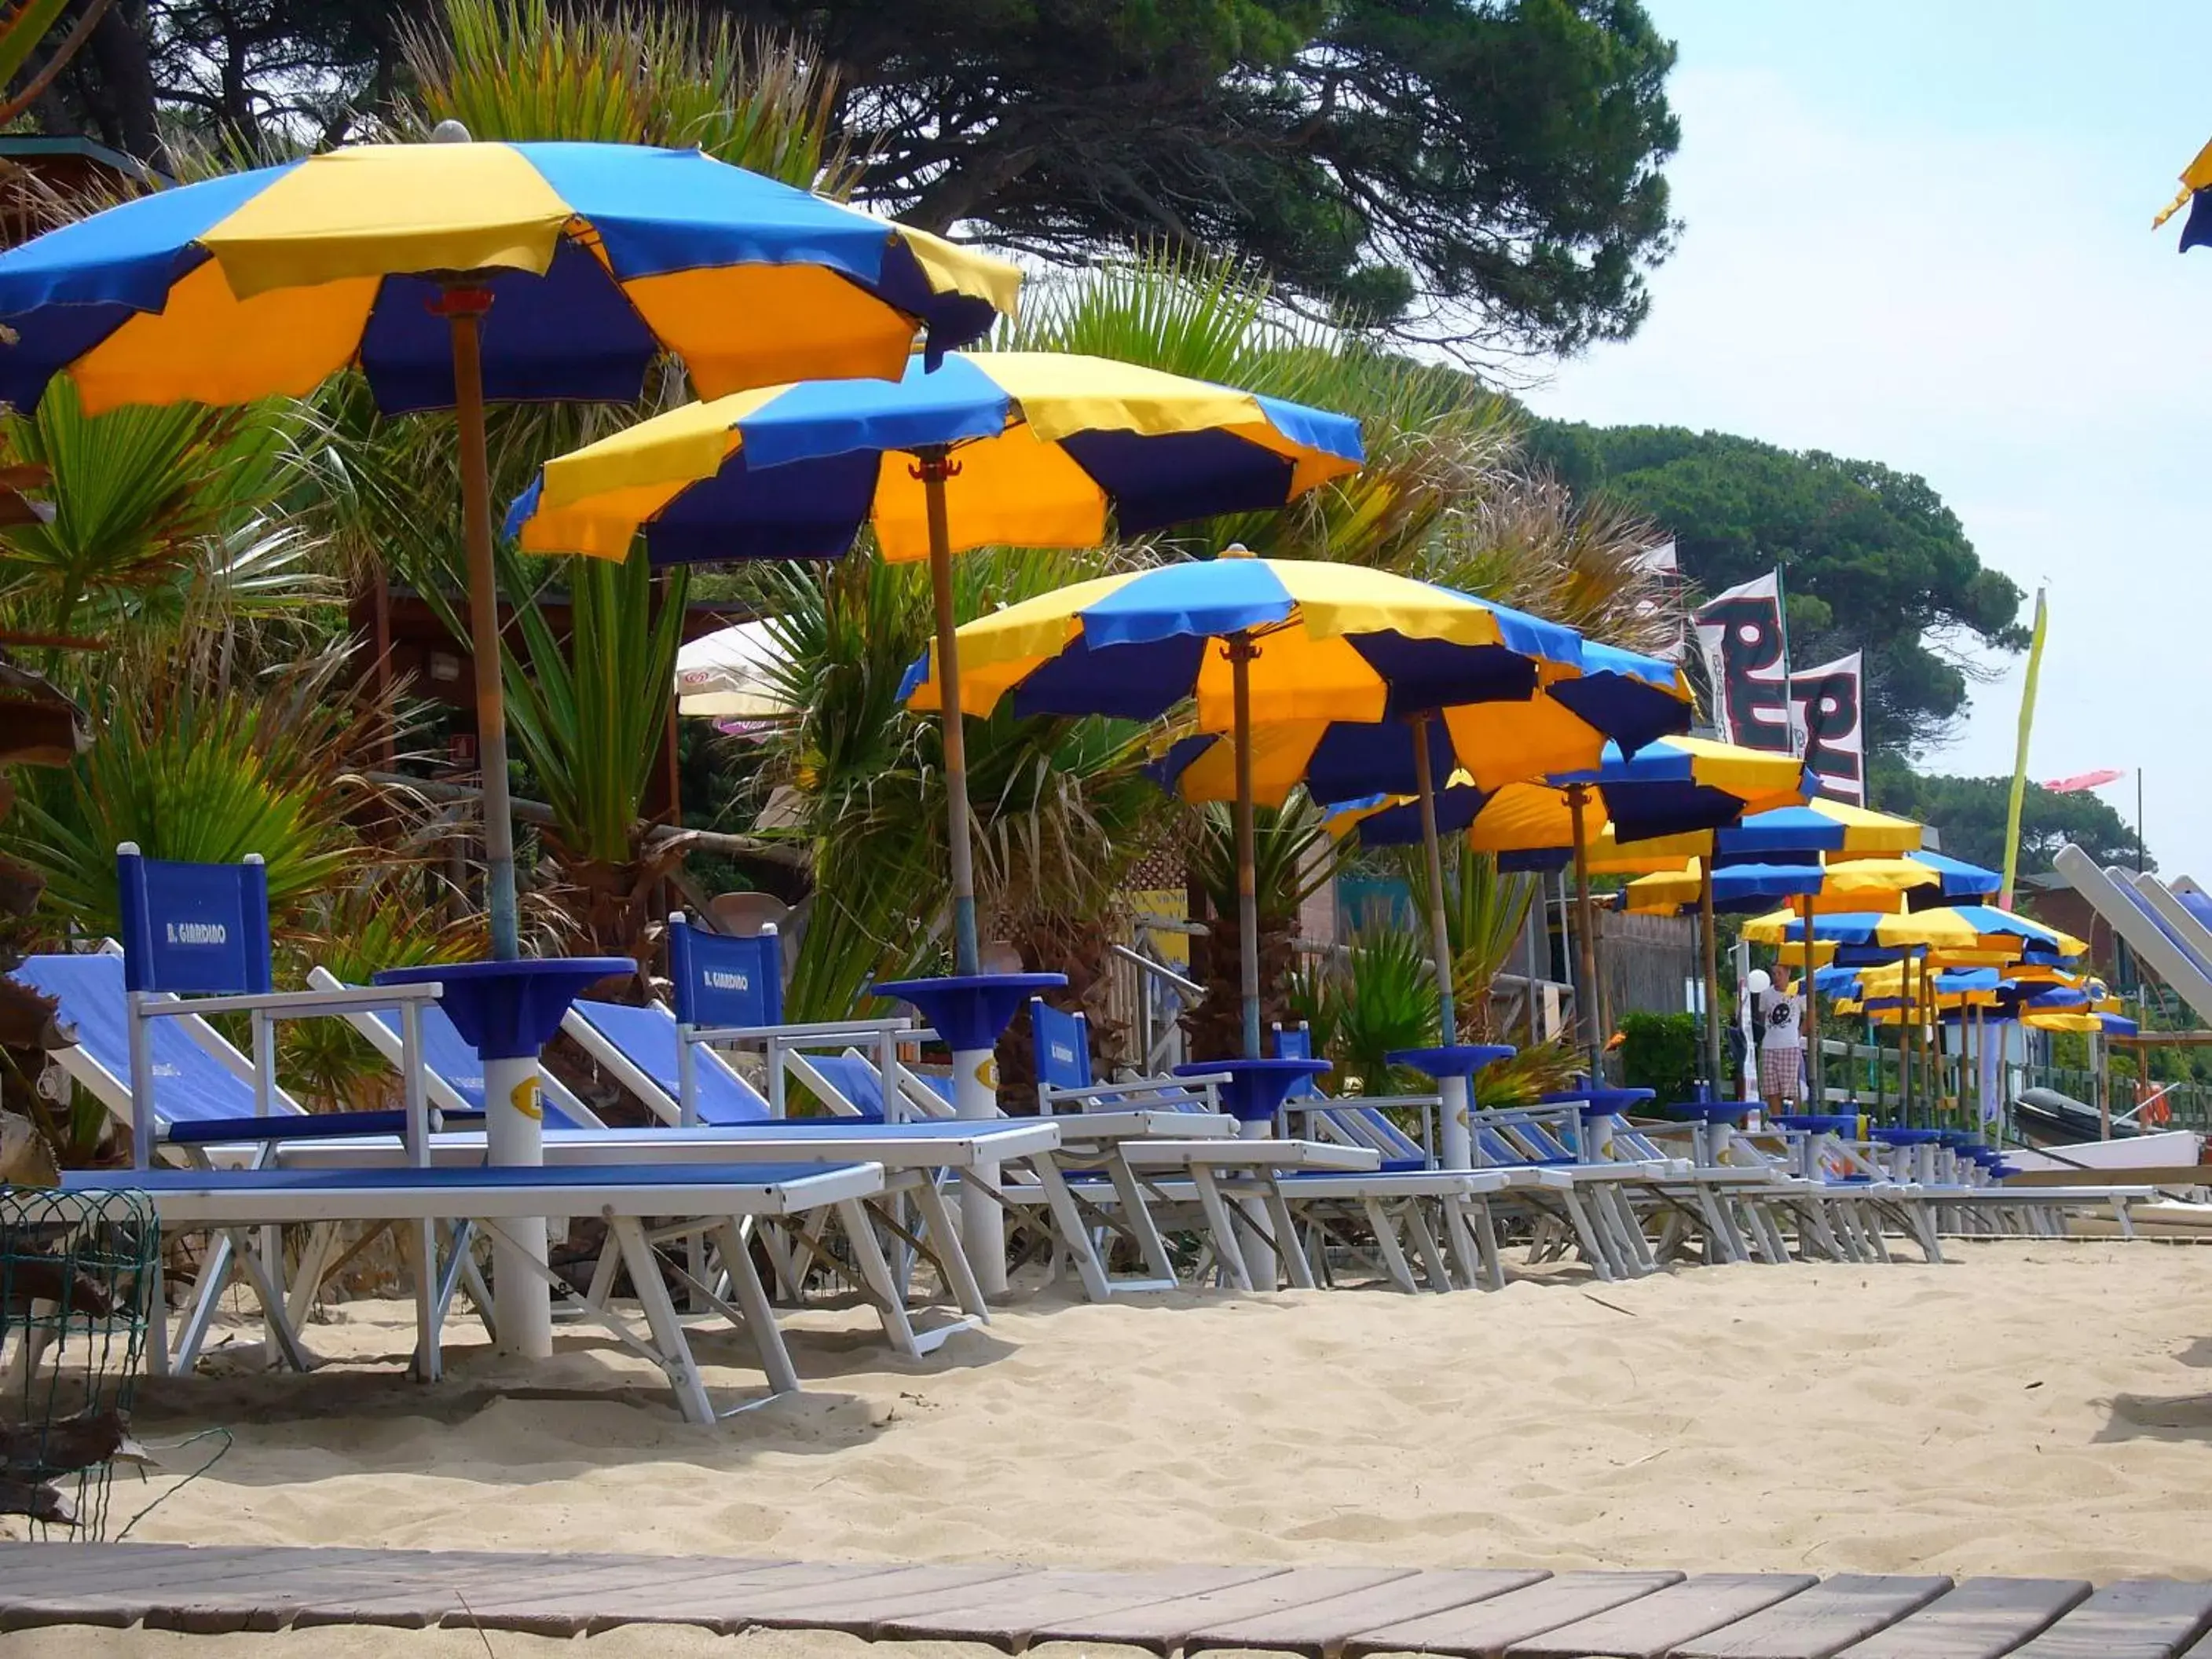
x,y
2033,1408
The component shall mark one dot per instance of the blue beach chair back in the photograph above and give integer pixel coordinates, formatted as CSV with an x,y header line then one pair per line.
x,y
194,927
190,1084
646,1038
1295,1042
724,982
1062,1042
856,1077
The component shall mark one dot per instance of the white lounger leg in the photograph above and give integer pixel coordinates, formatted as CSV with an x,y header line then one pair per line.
x,y
1386,1240
1074,1236
1137,1217
752,1301
952,1255
876,1274
675,1353
1227,1247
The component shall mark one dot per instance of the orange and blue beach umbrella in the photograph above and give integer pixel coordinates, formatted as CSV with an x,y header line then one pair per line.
x,y
1052,449
591,260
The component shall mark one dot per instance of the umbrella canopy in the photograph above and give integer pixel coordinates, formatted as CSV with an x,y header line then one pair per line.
x,y
1328,642
1254,641
594,259
2196,196
1837,886
1789,834
1033,448
1970,928
1672,785
1049,446
450,273
731,674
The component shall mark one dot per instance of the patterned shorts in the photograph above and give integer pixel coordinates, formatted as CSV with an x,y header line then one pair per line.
x,y
1781,1073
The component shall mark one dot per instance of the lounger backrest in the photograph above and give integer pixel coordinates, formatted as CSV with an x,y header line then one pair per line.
x,y
457,1064
646,1037
1295,1042
1063,1041
724,981
194,927
857,1079
190,1084
1372,1127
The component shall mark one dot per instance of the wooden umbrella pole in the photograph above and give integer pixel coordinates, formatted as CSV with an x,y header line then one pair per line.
x,y
1586,930
1817,1097
1710,942
1241,653
1439,929
933,465
464,308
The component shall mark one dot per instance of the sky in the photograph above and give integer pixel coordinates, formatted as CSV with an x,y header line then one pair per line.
x,y
1919,232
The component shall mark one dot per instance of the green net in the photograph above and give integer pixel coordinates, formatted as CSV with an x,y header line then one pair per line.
x,y
76,1273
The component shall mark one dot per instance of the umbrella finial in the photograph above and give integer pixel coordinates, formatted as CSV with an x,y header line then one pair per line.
x,y
450,131
1236,550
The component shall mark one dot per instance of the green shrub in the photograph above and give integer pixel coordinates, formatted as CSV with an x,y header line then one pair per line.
x,y
1659,1052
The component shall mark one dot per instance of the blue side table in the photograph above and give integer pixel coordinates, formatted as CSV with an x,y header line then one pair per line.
x,y
1453,1068
1254,1090
1598,1112
508,1012
969,1011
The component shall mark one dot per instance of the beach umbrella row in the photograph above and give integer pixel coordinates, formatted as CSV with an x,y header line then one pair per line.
x,y
1031,448
1253,643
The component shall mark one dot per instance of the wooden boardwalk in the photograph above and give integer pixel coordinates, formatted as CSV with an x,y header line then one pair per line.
x,y
1322,1611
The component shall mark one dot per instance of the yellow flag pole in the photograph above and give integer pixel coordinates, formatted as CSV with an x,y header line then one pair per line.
x,y
2020,757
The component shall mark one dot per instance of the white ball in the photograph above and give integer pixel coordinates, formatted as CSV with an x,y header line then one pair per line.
x,y
1757,981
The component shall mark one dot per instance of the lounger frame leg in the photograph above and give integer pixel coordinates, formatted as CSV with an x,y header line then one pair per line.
x,y
674,1351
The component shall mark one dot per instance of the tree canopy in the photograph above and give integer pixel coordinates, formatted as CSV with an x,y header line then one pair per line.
x,y
1971,814
1481,174
1872,558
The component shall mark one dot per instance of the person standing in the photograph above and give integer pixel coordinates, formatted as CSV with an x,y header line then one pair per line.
x,y
1781,1045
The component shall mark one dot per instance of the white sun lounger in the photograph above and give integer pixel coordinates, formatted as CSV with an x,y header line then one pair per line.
x,y
625,1195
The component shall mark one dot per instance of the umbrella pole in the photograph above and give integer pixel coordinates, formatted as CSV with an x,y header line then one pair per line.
x,y
1586,927
933,468
1709,943
1455,1148
1439,930
464,309
1241,653
1537,921
1816,1097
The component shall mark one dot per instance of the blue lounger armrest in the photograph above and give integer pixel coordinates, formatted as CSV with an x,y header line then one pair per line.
x,y
295,1126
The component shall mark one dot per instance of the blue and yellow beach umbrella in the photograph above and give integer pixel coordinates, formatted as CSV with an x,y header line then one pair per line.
x,y
1031,449
2195,196
450,273
1252,641
586,263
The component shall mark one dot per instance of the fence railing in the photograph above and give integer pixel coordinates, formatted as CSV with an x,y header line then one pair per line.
x,y
1148,996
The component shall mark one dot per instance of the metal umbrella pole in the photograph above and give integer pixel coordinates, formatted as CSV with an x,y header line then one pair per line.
x,y
1818,1097
1586,928
1241,653
1709,941
933,465
1455,1140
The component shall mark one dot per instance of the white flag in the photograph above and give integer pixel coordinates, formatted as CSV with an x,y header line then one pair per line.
x,y
1747,657
1829,703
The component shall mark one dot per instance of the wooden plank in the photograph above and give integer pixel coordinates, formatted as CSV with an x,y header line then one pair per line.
x,y
1008,1612
1323,1628
2134,1619
1165,1626
1655,1626
1981,1619
860,1604
642,1589
1491,1625
1822,1621
143,1589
